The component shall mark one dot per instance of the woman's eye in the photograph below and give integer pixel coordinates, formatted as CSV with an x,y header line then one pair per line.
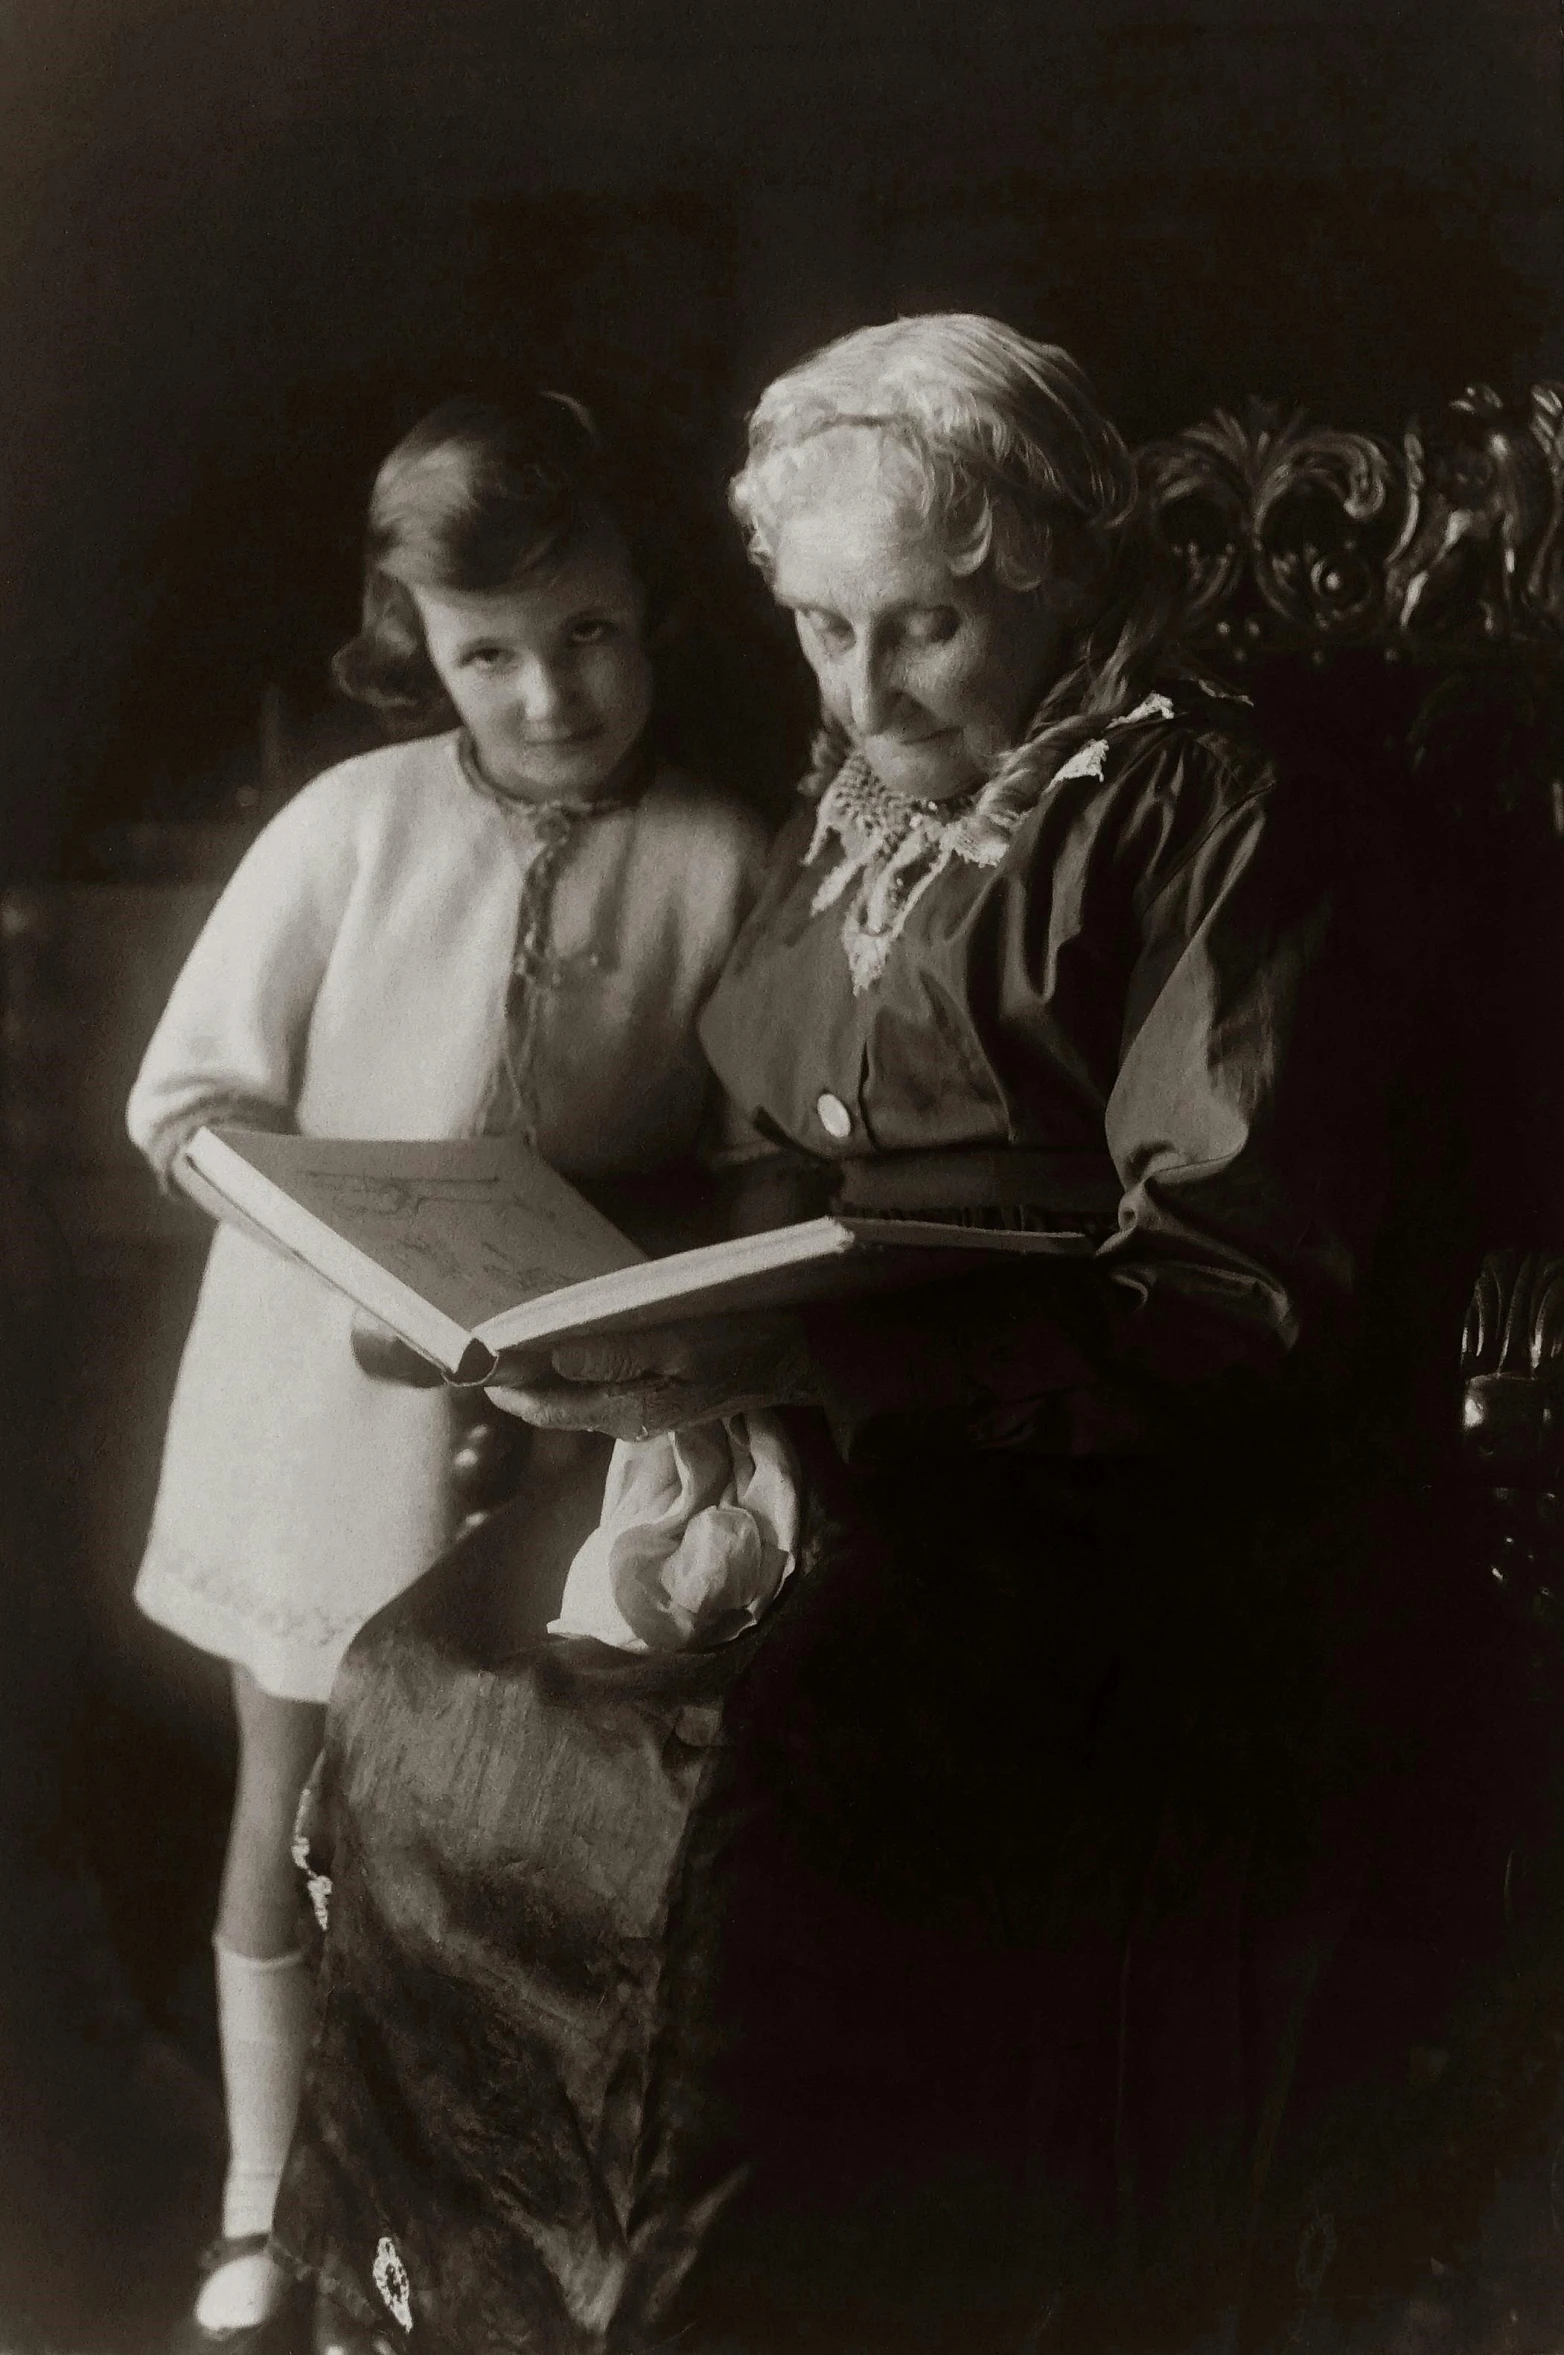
x,y
485,658
827,630
590,630
935,628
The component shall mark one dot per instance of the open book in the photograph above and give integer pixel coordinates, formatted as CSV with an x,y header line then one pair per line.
x,y
471,1248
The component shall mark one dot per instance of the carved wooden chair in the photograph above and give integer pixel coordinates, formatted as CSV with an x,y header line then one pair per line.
x,y
1423,589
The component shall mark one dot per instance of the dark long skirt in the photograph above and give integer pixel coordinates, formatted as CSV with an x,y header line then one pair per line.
x,y
924,1974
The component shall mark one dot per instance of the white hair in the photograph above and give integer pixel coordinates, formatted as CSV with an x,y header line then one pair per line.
x,y
1004,436
1012,463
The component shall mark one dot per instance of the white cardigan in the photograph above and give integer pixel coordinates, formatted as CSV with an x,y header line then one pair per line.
x,y
352,981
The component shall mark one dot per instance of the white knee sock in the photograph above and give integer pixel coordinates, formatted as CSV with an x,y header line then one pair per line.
x,y
263,2027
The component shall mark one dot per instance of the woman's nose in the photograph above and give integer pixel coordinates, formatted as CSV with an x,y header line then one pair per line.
x,y
870,690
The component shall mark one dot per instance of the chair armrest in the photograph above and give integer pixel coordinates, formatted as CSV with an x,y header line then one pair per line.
x,y
1512,1417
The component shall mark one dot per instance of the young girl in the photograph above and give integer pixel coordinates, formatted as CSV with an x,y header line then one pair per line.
x,y
507,926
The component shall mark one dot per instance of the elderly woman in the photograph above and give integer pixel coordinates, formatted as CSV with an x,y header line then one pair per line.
x,y
923,1969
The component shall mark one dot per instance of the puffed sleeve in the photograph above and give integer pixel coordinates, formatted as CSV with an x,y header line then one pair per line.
x,y
1246,1129
230,1043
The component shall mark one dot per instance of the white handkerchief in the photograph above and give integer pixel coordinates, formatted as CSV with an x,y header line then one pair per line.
x,y
698,1534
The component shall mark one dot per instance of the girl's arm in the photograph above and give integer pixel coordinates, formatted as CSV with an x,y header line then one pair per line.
x,y
230,1044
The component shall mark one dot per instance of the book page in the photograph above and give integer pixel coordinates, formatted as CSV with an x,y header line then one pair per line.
x,y
778,1267
474,1226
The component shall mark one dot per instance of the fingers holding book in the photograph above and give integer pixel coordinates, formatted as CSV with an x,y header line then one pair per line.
x,y
636,1385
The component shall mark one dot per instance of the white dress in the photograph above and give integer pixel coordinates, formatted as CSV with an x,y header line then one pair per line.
x,y
400,955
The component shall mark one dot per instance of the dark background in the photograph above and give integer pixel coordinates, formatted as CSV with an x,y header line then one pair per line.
x,y
241,243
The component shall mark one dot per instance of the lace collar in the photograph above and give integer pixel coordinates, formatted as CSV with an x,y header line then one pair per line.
x,y
894,850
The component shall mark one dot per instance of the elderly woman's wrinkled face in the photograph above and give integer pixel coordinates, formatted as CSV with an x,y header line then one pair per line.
x,y
932,672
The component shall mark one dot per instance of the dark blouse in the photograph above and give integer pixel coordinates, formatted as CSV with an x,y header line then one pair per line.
x,y
1154,969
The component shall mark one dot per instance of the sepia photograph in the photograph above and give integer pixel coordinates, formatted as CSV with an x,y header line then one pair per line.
x,y
782,1177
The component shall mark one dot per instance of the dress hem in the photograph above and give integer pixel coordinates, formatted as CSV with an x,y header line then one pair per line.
x,y
287,1672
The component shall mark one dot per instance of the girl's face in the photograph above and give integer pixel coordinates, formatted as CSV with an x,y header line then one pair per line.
x,y
933,673
550,678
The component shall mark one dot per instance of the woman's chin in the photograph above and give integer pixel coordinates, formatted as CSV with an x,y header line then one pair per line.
x,y
937,769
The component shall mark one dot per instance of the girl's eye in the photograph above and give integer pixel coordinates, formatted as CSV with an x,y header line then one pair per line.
x,y
590,630
485,658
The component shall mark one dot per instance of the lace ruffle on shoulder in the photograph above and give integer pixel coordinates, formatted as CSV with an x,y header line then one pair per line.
x,y
894,850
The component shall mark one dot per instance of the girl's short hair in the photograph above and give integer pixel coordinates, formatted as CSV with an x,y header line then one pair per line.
x,y
478,496
1011,462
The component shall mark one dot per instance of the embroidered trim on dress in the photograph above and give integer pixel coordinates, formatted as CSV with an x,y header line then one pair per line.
x,y
169,1565
894,849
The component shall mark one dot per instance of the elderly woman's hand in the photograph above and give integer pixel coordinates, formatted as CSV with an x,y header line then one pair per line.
x,y
634,1385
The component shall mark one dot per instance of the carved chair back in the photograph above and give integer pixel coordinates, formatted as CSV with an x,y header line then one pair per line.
x,y
1407,604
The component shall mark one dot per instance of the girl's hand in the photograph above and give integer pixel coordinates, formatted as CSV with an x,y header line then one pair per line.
x,y
634,1385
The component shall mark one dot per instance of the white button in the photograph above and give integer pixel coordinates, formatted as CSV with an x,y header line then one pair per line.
x,y
835,1118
